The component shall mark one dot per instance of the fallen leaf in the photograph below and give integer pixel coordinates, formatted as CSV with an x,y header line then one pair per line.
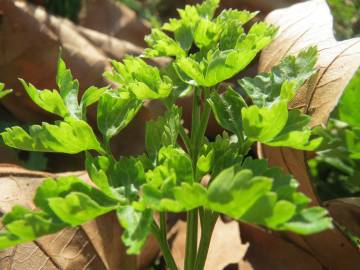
x,y
346,212
268,251
114,48
225,247
300,26
114,19
30,40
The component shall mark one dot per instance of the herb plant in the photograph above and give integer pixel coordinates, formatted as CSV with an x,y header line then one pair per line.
x,y
205,52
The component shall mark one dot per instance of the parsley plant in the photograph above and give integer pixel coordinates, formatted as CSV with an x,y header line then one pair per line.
x,y
205,52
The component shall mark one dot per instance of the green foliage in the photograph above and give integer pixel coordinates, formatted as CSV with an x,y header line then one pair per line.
x,y
64,102
336,167
348,108
346,15
206,51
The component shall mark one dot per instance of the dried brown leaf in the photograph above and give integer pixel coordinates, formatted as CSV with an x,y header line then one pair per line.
x,y
300,26
346,212
114,19
269,251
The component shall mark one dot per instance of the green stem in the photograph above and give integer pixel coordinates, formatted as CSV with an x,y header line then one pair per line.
x,y
160,236
195,122
185,138
203,122
208,221
191,239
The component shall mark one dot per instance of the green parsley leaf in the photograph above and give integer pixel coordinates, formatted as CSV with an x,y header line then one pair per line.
x,y
227,110
50,101
115,111
143,80
162,45
163,131
284,79
70,136
136,227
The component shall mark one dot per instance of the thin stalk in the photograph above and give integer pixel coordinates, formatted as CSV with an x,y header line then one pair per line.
x,y
185,138
203,124
192,216
191,239
160,237
195,121
208,221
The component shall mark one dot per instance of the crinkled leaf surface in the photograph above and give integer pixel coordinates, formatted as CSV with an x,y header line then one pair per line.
x,y
68,88
48,100
222,65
